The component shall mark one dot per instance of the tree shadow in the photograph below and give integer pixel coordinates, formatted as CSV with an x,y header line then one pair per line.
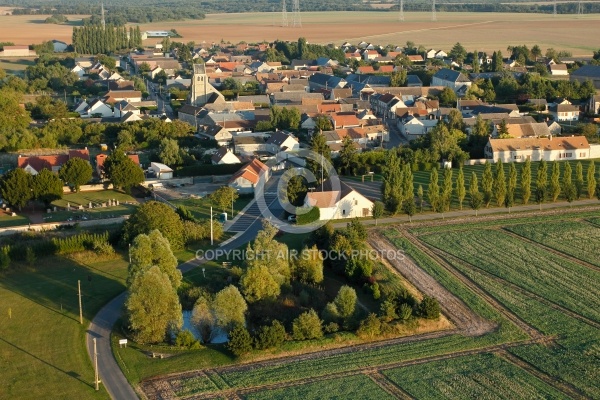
x,y
71,374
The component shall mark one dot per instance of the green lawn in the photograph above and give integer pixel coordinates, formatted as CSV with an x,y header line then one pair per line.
x,y
16,66
42,345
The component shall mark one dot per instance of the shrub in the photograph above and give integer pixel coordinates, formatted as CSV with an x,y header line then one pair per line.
x,y
404,311
429,308
186,339
370,327
387,311
270,336
311,216
307,326
240,341
4,258
331,327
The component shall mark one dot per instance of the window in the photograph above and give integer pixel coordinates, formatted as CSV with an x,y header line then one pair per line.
x,y
518,157
355,202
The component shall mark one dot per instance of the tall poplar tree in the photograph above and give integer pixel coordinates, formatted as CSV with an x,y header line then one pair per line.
x,y
460,187
487,183
555,181
433,191
579,179
511,188
568,187
591,179
446,196
476,198
526,182
500,184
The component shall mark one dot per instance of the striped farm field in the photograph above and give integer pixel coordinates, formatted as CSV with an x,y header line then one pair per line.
x,y
575,238
349,387
482,376
528,266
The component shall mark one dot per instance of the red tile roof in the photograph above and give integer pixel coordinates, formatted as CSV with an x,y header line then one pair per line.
x,y
40,162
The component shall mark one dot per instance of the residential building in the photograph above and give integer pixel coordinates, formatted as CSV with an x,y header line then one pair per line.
x,y
337,200
282,141
452,79
536,149
587,72
564,112
246,179
35,164
224,156
161,171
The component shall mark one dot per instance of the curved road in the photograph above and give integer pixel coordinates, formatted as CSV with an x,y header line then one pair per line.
x,y
101,326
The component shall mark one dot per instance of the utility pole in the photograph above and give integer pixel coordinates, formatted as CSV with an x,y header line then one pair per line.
x,y
401,14
296,19
211,227
554,11
80,309
284,18
96,380
433,16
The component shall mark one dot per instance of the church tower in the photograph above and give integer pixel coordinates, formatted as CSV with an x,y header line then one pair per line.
x,y
202,91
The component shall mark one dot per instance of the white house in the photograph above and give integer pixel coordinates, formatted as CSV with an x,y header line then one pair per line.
x,y
224,156
412,125
95,108
281,141
558,69
218,133
593,104
79,71
537,149
161,170
246,179
123,107
564,112
338,202
452,79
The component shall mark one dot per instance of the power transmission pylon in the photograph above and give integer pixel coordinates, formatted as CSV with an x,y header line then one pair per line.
x,y
579,8
103,21
284,18
433,16
401,14
296,19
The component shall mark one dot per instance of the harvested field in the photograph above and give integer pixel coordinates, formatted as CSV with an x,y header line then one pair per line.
x,y
481,31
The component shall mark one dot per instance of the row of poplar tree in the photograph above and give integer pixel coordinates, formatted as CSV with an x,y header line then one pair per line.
x,y
93,39
495,186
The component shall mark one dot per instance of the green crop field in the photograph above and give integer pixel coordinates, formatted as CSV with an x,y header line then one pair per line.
x,y
483,376
42,344
533,269
574,238
351,387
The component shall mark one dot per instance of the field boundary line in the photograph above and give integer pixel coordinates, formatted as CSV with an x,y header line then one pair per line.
x,y
478,290
386,384
552,250
555,382
523,291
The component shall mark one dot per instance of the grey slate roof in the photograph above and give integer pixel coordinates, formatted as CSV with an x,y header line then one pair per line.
x,y
587,71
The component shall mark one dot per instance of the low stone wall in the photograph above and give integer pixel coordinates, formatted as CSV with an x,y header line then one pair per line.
x,y
53,225
90,188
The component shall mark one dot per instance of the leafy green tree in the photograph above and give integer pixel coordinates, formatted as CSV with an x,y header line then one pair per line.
x,y
421,197
461,191
391,188
542,178
526,181
270,253
398,78
203,319
223,197
152,306
446,196
47,186
591,179
240,341
318,145
323,123
433,191
308,267
579,179
229,308
30,257
410,208
377,210
307,326
458,53
387,311
475,197
155,215
270,336
345,302
429,308
555,181
76,172
122,171
487,183
347,156
4,258
153,250
169,152
481,129
369,327
499,184
568,187
15,186
257,283
511,187
408,187
296,190
475,62
447,97
503,130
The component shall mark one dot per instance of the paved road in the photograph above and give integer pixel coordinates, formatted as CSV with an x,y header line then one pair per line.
x,y
101,326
